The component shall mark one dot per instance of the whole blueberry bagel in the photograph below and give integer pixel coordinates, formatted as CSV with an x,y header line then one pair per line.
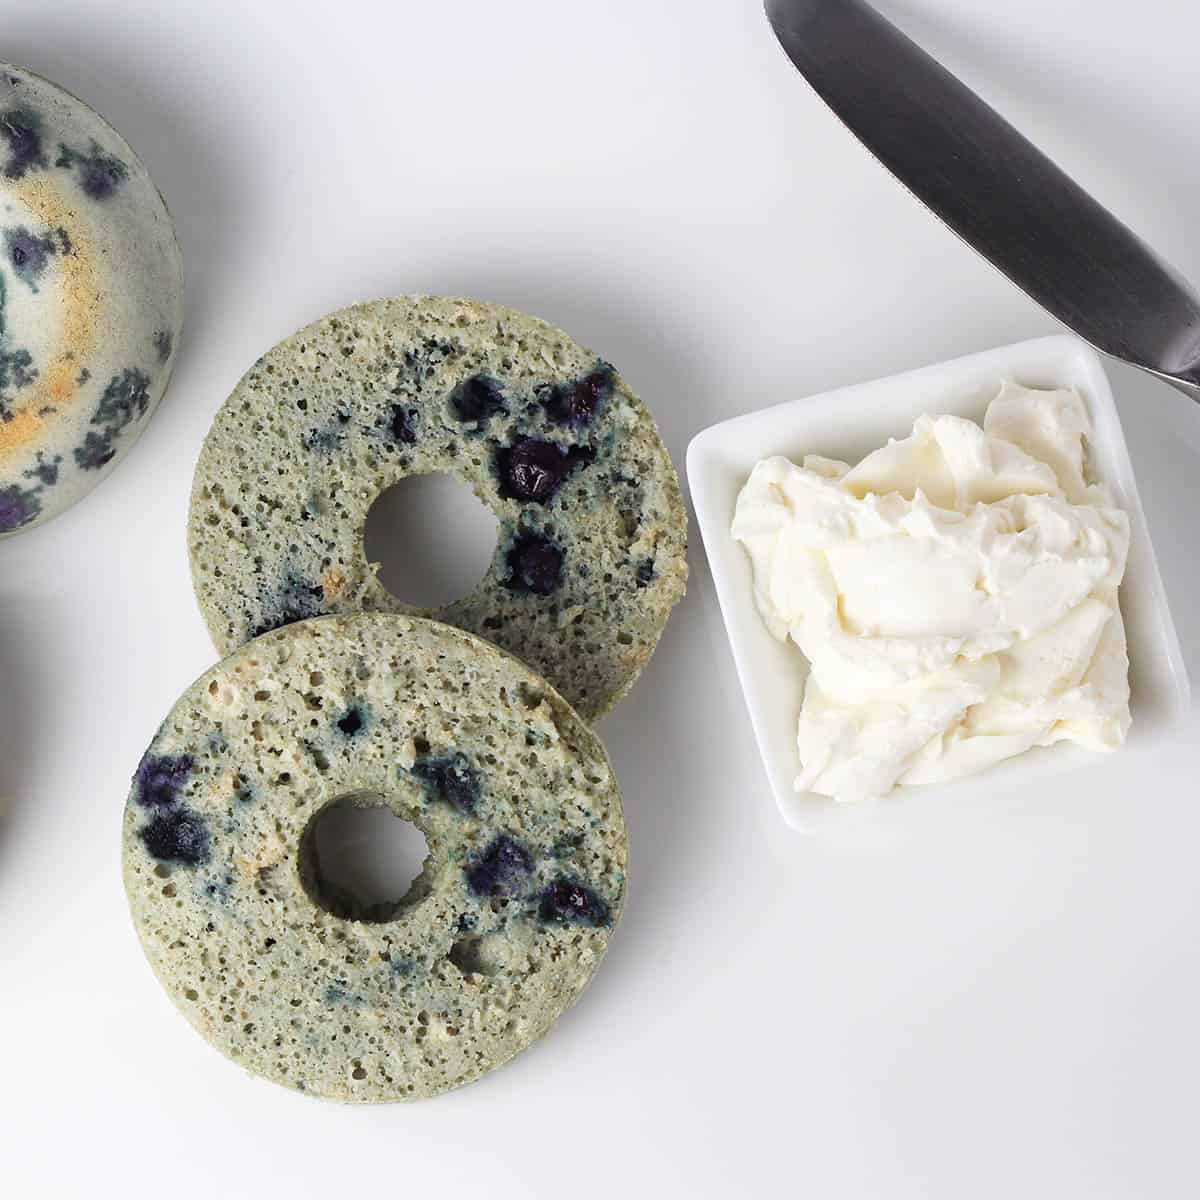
x,y
91,299
286,973
591,554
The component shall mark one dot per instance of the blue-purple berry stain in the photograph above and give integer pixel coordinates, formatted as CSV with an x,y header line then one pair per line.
x,y
534,470
160,779
124,400
502,870
576,404
99,174
535,564
177,836
21,132
571,903
296,600
17,370
46,473
402,427
353,722
477,400
450,779
174,834
29,254
18,506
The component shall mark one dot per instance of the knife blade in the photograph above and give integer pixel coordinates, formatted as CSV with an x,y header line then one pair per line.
x,y
993,187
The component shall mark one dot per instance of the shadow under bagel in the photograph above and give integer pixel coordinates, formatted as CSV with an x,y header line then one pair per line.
x,y
19,721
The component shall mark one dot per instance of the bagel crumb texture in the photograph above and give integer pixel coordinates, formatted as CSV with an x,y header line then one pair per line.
x,y
290,976
591,552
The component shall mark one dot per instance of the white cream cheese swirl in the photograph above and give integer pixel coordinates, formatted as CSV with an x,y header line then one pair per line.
x,y
955,594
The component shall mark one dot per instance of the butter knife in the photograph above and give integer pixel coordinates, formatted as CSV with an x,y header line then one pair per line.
x,y
994,188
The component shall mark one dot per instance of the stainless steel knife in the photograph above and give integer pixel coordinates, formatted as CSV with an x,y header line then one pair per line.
x,y
994,188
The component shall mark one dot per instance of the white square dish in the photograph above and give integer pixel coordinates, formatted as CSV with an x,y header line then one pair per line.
x,y
851,422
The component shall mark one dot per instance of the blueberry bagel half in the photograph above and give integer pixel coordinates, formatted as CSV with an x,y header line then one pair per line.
x,y
591,550
273,957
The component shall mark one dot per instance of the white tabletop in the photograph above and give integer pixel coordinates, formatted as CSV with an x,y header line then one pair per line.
x,y
1000,1001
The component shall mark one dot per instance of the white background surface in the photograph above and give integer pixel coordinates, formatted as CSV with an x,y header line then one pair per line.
x,y
1000,1002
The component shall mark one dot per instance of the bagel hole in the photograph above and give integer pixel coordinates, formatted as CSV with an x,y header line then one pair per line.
x,y
361,862
433,539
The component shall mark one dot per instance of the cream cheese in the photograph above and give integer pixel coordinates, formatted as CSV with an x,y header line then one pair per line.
x,y
955,594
